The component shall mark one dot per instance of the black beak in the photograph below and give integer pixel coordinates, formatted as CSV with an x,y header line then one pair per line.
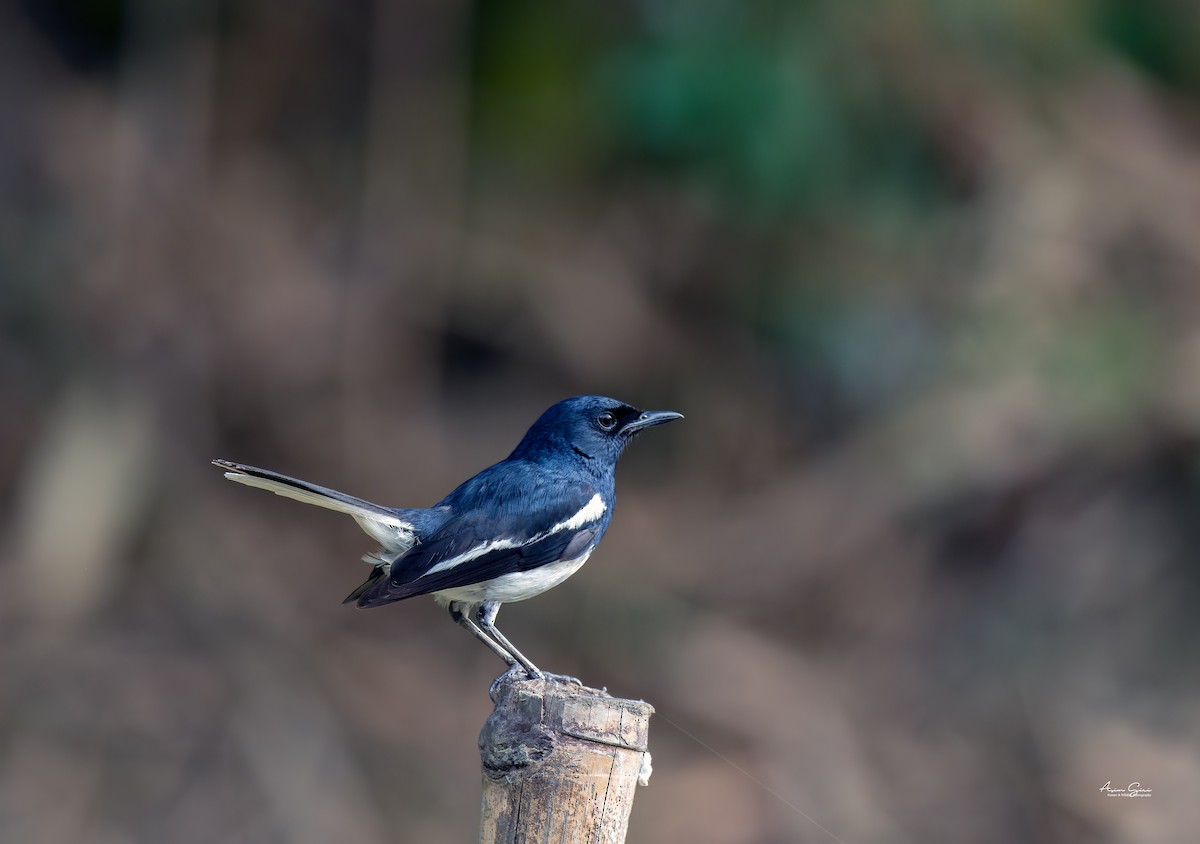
x,y
649,419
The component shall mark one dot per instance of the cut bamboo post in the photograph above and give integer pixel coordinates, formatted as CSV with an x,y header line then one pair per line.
x,y
561,763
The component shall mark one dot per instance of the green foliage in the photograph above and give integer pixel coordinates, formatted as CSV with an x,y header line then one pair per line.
x,y
1152,36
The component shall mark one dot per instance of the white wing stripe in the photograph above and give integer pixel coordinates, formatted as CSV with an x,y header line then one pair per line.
x,y
477,551
590,512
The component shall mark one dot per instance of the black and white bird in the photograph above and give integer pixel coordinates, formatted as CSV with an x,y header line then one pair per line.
x,y
513,531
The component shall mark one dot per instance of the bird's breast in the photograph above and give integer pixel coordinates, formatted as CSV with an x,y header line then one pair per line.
x,y
517,585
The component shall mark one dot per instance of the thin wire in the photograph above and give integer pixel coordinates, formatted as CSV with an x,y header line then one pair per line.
x,y
751,777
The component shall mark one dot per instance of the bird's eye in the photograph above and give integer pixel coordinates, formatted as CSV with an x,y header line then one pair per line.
x,y
606,421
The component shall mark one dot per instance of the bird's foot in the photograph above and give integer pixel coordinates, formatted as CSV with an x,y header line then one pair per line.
x,y
565,679
518,672
514,672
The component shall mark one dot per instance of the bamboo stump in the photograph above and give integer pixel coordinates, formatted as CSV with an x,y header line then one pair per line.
x,y
561,763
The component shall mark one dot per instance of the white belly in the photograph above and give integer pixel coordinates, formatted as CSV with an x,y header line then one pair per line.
x,y
516,586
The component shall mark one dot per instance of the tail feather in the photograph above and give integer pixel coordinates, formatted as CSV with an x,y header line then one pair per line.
x,y
366,585
385,525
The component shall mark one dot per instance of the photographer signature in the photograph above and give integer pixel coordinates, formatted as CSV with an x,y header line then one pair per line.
x,y
1134,790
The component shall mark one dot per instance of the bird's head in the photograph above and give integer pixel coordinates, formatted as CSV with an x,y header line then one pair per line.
x,y
594,428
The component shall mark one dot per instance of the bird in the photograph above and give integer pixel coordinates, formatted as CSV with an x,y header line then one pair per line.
x,y
511,532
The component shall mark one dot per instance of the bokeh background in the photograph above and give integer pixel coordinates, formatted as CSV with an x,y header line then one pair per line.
x,y
920,565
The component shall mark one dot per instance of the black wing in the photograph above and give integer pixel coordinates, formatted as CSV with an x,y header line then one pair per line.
x,y
537,525
564,545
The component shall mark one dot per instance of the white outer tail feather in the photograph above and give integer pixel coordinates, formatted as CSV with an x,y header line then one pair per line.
x,y
392,532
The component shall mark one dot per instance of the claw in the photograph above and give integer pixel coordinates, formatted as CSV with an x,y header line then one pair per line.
x,y
514,672
517,672
565,679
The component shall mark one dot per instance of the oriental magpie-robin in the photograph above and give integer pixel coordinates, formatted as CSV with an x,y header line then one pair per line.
x,y
513,531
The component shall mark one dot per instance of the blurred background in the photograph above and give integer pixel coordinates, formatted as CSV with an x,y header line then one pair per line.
x,y
920,565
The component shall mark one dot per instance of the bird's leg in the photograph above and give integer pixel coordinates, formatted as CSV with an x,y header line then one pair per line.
x,y
486,616
465,620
